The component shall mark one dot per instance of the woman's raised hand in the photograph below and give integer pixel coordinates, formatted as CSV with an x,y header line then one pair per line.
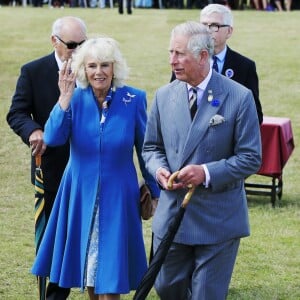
x,y
66,84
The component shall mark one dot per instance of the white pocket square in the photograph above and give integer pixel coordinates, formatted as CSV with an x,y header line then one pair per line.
x,y
216,120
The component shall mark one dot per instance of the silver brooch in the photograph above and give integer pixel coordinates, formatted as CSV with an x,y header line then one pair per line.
x,y
128,98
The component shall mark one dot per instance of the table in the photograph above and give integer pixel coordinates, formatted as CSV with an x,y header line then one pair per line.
x,y
277,147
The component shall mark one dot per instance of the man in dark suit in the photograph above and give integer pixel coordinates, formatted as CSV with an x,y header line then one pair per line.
x,y
204,125
230,63
35,95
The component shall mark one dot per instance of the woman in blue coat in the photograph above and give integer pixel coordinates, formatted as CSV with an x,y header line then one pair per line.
x,y
94,235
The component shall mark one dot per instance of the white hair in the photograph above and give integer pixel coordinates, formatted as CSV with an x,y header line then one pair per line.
x,y
59,24
219,9
103,49
199,37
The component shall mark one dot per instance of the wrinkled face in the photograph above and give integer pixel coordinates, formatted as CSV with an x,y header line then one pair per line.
x,y
184,65
67,41
99,74
221,35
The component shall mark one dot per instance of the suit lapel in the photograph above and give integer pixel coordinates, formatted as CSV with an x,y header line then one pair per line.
x,y
230,63
180,108
206,110
227,61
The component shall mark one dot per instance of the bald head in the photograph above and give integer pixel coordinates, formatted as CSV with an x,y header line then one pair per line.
x,y
65,31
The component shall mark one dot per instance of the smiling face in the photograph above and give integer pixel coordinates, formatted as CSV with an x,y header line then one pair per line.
x,y
99,75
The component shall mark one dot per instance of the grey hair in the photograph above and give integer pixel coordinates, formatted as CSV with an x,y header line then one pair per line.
x,y
103,49
199,37
219,9
60,23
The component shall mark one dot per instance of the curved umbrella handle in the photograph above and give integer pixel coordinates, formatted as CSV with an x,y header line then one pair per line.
x,y
188,195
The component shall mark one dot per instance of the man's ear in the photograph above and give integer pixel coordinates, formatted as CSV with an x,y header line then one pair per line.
x,y
203,56
53,40
229,32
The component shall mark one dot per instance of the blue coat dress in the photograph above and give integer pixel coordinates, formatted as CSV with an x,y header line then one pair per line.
x,y
100,171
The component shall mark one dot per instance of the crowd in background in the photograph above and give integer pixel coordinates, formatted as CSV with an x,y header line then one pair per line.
x,y
264,5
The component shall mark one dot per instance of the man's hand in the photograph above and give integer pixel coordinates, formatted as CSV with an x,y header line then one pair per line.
x,y
191,175
162,176
36,142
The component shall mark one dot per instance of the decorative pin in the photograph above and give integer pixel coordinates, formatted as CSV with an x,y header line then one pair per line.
x,y
229,73
210,96
215,103
128,99
211,100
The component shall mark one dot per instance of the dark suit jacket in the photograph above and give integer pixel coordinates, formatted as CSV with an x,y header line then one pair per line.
x,y
242,70
36,93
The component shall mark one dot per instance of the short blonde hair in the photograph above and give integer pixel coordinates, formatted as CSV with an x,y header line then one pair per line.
x,y
104,49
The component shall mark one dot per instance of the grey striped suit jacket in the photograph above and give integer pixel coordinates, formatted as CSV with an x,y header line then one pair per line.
x,y
231,151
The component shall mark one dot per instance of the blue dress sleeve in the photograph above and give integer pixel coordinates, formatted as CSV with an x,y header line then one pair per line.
x,y
58,126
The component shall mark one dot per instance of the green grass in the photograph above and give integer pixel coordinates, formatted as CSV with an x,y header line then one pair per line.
x,y
267,267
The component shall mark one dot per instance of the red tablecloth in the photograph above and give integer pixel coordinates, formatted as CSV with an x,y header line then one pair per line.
x,y
277,145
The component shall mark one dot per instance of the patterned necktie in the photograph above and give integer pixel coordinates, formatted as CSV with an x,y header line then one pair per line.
x,y
215,64
193,102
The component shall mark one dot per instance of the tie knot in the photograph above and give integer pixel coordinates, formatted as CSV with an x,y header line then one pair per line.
x,y
193,94
193,90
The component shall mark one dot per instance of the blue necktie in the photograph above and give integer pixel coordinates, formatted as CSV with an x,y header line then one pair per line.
x,y
193,102
215,64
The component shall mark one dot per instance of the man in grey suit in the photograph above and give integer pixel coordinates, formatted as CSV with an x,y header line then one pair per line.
x,y
219,19
214,151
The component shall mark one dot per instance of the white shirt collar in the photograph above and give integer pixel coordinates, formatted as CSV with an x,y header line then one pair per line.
x,y
59,62
222,54
202,85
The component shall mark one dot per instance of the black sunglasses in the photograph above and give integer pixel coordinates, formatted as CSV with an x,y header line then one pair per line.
x,y
70,45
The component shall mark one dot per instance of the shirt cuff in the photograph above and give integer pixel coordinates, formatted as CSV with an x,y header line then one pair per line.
x,y
207,176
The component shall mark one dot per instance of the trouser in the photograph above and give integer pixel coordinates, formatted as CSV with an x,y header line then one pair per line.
x,y
55,292
196,272
49,198
129,11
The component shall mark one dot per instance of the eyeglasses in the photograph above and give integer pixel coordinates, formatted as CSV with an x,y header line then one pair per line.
x,y
70,45
215,27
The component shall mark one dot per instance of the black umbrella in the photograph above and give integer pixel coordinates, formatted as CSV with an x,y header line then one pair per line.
x,y
39,218
163,248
